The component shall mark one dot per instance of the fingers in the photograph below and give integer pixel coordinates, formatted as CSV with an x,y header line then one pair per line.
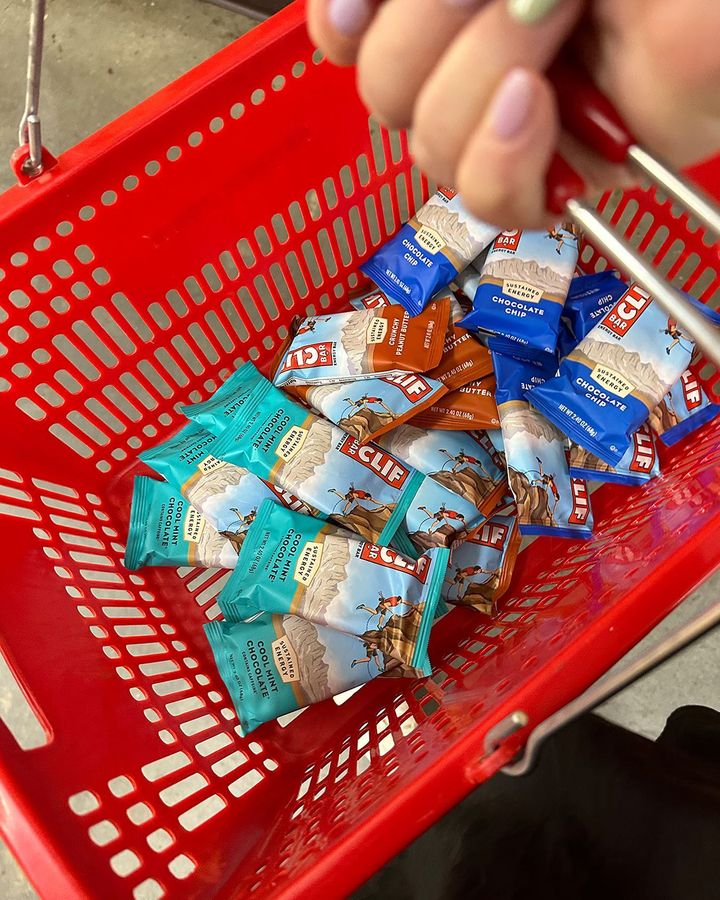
x,y
456,95
400,49
337,27
501,174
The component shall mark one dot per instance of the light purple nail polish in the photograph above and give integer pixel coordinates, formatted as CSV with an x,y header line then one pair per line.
x,y
349,17
511,105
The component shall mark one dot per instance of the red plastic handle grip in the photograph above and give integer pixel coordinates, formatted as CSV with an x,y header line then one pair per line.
x,y
588,115
561,183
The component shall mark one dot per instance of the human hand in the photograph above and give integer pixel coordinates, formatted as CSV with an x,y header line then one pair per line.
x,y
467,77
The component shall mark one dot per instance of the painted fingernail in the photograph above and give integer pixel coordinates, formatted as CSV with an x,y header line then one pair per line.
x,y
531,11
510,107
349,17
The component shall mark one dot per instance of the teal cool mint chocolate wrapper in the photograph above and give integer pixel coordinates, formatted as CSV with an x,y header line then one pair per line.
x,y
427,253
278,664
227,495
166,530
640,464
359,486
685,408
548,500
295,565
519,295
617,375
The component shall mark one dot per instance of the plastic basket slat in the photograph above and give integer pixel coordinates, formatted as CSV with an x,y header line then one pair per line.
x,y
135,275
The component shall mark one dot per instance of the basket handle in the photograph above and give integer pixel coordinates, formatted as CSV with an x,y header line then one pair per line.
x,y
599,692
29,162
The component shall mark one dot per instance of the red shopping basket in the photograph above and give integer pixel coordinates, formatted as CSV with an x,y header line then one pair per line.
x,y
137,273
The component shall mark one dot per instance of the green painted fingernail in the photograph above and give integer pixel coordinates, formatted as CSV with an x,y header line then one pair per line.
x,y
531,11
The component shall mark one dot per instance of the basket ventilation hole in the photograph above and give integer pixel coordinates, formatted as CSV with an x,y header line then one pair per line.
x,y
160,839
200,813
182,866
150,889
245,783
83,803
120,786
125,863
104,832
165,766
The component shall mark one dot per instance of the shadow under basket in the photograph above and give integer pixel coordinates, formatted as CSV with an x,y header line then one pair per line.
x,y
137,272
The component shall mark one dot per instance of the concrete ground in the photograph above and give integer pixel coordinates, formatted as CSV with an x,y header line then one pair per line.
x,y
103,56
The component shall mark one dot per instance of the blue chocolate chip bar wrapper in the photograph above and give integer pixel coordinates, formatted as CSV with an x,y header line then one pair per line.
x,y
521,291
610,383
685,408
428,252
548,500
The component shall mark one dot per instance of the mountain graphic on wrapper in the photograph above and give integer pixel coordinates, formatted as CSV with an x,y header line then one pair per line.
x,y
309,650
368,523
663,417
544,278
532,500
635,370
322,590
362,424
354,340
466,483
440,537
584,459
480,595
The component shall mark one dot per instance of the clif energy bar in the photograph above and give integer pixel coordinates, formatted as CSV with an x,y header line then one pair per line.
x,y
589,298
468,408
166,530
522,289
227,495
292,564
464,358
638,466
548,500
436,518
616,376
460,462
363,344
682,410
361,487
367,409
481,566
428,252
278,664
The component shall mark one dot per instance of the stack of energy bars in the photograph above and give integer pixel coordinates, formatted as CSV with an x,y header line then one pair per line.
x,y
398,450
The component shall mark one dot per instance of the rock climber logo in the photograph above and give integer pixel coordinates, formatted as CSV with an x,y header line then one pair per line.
x,y
546,481
363,402
238,529
676,337
309,325
555,234
461,459
442,516
355,497
388,606
372,654
468,572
